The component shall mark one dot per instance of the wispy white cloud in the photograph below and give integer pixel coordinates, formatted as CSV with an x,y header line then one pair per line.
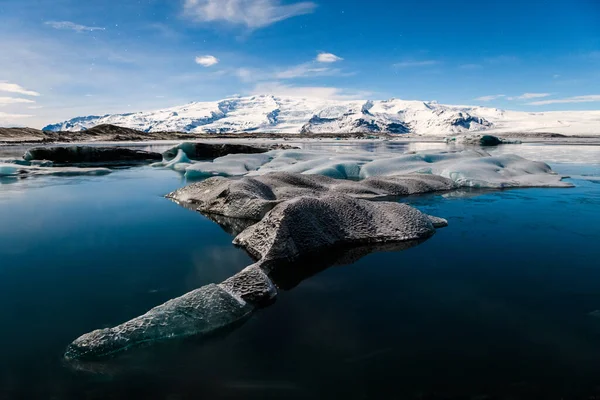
x,y
207,61
413,63
328,58
245,74
306,70
14,88
4,115
251,13
322,92
13,100
311,69
490,97
72,26
529,96
575,99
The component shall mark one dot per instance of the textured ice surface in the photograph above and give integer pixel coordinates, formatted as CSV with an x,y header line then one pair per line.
x,y
89,154
469,168
15,170
199,312
252,285
253,197
305,225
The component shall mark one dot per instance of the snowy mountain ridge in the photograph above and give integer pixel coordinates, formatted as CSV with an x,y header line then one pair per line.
x,y
299,115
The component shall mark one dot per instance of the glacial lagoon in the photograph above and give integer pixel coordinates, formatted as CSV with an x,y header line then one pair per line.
x,y
504,302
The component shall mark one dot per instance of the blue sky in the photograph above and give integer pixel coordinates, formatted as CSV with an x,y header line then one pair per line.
x,y
65,58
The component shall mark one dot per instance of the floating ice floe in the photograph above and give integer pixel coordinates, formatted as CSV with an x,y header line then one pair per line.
x,y
307,225
205,151
292,230
251,197
468,168
200,312
16,170
178,163
479,140
90,155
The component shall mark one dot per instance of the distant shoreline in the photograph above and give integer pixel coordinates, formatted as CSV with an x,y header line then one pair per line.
x,y
111,134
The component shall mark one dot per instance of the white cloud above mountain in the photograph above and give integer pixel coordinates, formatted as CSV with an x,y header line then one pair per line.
x,y
72,26
592,98
207,60
15,88
13,100
253,14
9,116
306,70
328,58
490,97
529,96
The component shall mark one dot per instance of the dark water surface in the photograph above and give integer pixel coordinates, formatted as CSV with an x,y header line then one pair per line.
x,y
501,304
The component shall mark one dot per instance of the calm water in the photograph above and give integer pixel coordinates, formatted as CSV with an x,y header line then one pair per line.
x,y
498,305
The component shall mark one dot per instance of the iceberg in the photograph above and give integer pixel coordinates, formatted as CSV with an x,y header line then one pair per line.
x,y
231,165
16,170
479,140
178,163
307,225
204,151
467,168
251,197
198,313
90,155
294,229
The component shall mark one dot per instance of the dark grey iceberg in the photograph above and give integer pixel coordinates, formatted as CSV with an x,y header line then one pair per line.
x,y
252,197
201,312
479,140
62,155
306,225
302,216
207,151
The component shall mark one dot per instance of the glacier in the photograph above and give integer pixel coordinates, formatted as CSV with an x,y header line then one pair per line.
x,y
302,115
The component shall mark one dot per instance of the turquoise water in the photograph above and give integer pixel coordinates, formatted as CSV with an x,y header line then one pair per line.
x,y
498,305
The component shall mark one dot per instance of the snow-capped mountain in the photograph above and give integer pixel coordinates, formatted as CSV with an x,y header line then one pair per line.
x,y
268,113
